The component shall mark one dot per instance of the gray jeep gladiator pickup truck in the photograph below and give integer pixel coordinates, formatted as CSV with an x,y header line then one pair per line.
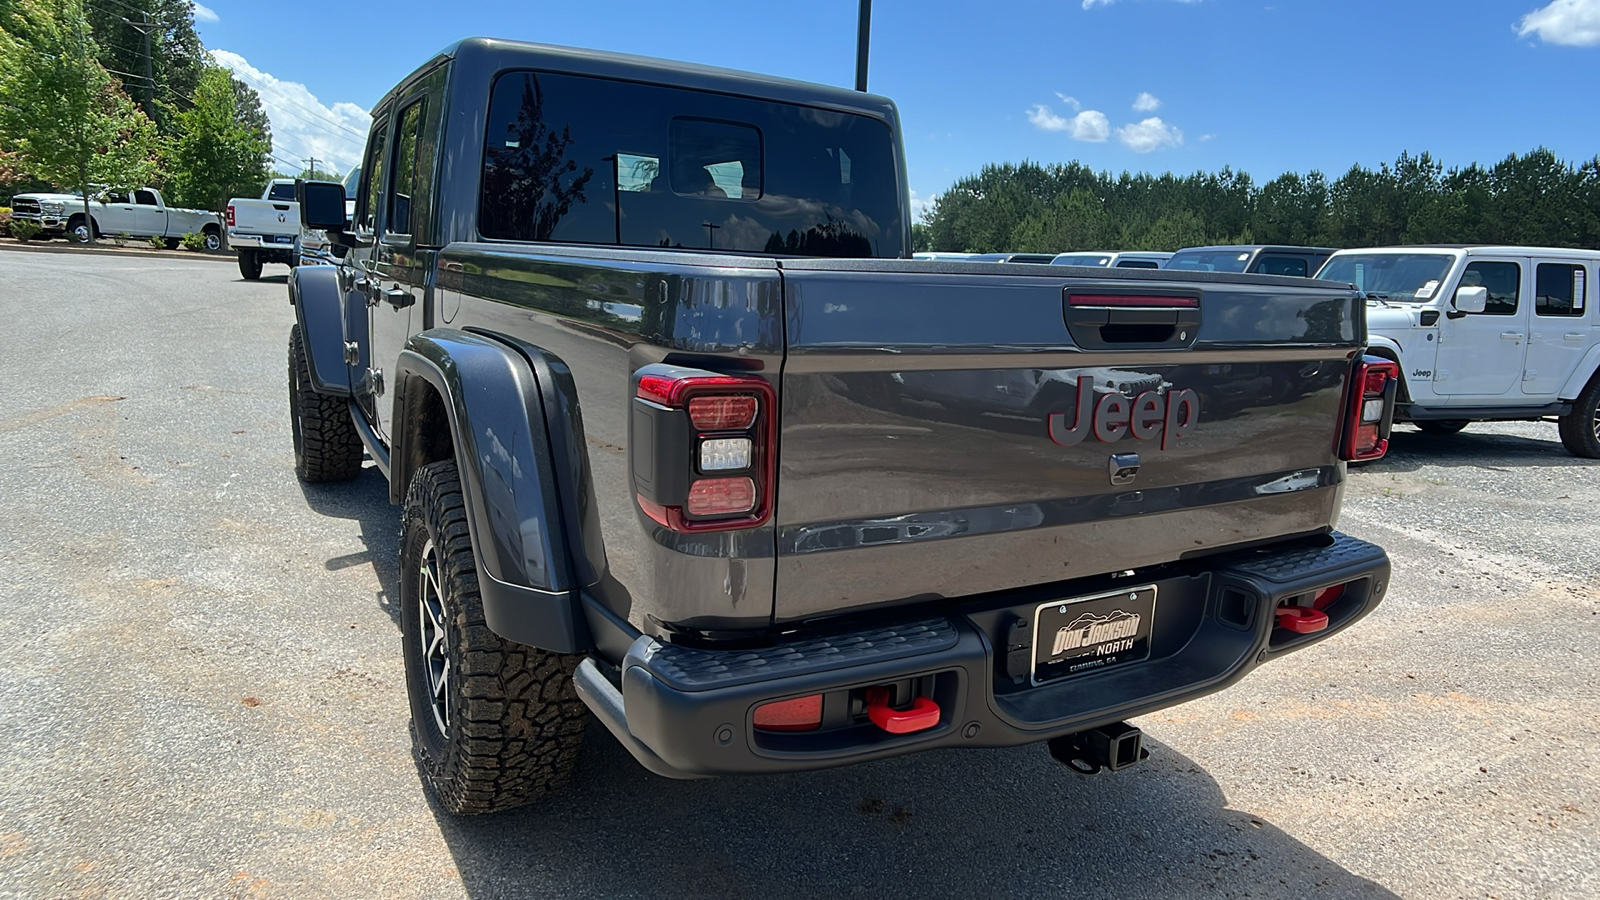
x,y
685,440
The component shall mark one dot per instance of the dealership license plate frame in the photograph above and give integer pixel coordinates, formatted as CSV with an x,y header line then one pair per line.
x,y
1061,664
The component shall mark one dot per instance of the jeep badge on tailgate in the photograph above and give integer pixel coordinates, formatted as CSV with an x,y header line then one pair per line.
x,y
1172,416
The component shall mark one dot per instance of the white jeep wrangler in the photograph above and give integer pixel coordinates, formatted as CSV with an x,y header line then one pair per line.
x,y
1485,333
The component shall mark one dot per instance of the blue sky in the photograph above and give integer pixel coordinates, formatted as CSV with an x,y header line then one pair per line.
x,y
1140,85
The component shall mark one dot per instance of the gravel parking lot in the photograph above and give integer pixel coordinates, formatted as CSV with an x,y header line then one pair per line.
x,y
201,690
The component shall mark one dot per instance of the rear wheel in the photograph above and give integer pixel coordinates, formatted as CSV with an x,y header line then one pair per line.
x,y
171,243
1580,429
1442,426
326,446
494,723
213,239
249,264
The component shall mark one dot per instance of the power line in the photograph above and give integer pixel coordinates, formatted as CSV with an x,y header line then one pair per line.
x,y
295,103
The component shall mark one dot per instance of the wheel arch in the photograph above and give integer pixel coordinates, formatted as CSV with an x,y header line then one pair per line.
x,y
319,308
1587,369
456,396
1377,345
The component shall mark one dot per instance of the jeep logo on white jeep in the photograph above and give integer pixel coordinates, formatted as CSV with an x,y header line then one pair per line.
x,y
1172,416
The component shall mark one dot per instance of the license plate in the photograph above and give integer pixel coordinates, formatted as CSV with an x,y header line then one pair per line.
x,y
1092,634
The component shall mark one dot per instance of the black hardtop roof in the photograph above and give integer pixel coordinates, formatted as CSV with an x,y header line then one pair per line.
x,y
1255,248
495,54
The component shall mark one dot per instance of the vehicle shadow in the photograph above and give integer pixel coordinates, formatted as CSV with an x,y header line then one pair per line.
x,y
266,279
974,823
1410,450
366,501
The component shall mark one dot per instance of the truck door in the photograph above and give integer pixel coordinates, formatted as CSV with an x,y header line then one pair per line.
x,y
1560,332
149,217
400,268
364,227
1481,354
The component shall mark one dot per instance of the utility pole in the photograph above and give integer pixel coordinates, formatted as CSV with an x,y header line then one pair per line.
x,y
863,38
311,167
149,69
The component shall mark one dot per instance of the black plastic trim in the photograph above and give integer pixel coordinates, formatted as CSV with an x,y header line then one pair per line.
x,y
319,308
1415,413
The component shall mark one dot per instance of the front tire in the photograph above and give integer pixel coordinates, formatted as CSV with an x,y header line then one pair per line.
x,y
1441,427
326,446
1580,429
494,724
79,229
249,264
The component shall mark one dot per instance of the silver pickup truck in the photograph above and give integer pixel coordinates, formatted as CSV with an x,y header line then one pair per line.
x,y
137,213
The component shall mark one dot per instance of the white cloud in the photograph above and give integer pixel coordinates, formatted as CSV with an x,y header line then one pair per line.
x,y
1151,134
1206,137
1070,101
203,13
302,126
1089,125
1575,23
921,206
1146,102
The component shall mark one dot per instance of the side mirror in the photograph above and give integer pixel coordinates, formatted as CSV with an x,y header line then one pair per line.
x,y
321,204
1471,300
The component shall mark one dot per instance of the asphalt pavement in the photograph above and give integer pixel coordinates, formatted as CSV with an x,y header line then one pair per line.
x,y
201,692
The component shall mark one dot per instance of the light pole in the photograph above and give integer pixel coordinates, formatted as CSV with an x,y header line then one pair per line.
x,y
863,36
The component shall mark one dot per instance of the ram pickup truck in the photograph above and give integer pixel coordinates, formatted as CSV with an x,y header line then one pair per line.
x,y
264,231
137,213
682,435
1485,334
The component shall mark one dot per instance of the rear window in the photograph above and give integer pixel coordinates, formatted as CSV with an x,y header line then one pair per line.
x,y
574,159
1209,261
281,192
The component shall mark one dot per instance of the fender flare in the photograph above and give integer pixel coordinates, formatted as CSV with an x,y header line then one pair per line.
x,y
492,401
1388,348
319,308
1581,375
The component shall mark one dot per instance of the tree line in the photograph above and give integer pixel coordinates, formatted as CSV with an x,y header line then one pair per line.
x,y
121,94
1531,199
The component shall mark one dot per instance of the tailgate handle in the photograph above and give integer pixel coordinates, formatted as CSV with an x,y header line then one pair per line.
x,y
1111,321
283,206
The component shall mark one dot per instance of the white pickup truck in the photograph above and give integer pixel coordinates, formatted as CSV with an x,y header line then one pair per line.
x,y
137,213
1485,333
264,230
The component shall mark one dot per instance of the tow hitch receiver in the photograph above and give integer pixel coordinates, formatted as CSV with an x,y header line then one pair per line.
x,y
1112,747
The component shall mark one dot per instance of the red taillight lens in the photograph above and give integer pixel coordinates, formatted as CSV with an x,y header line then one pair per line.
x,y
230,215
691,431
1366,430
721,497
723,412
799,714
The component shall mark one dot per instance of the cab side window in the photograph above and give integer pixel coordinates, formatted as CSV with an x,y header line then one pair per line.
x,y
1504,281
144,198
1282,265
372,177
406,177
1559,289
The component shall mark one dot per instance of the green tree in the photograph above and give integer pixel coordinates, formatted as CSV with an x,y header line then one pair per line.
x,y
216,156
63,118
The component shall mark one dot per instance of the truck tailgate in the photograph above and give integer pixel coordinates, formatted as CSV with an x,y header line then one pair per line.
x,y
265,217
918,458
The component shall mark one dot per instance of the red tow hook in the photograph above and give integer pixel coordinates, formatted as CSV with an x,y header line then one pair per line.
x,y
923,714
1301,619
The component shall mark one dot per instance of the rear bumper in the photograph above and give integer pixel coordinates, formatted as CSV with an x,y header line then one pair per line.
x,y
686,713
285,243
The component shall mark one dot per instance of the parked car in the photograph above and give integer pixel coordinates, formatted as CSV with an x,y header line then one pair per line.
x,y
264,231
596,333
1127,259
944,255
1485,333
138,213
1037,258
1257,259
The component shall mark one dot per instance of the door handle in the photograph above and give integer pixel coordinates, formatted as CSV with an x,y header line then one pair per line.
x,y
397,298
1510,336
1572,336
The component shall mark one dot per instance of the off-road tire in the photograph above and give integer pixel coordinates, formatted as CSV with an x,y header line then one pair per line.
x,y
512,722
326,446
1441,427
249,264
1580,429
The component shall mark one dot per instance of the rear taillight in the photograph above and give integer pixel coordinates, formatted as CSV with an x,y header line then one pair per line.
x,y
702,448
1370,412
230,215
